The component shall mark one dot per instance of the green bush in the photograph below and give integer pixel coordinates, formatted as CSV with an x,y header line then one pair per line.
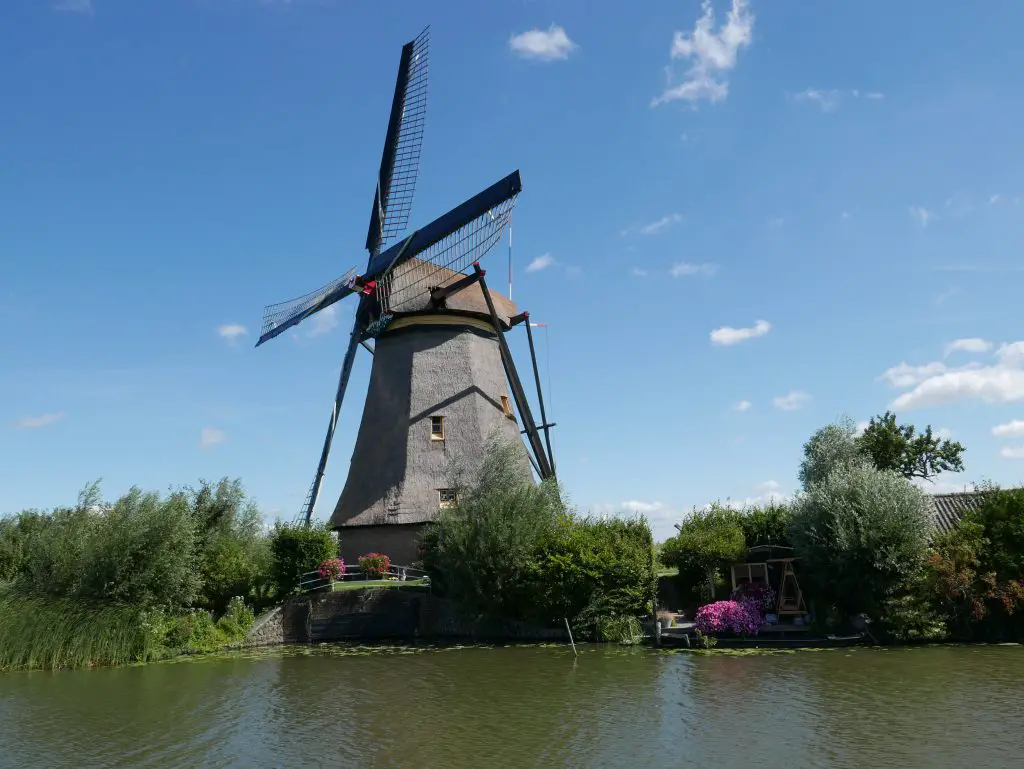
x,y
1001,517
592,571
768,524
140,551
862,536
297,549
512,549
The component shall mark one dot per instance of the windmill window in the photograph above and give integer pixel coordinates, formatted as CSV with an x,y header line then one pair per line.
x,y
437,428
506,407
447,498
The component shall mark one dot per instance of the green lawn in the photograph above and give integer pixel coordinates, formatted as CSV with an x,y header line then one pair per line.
x,y
385,583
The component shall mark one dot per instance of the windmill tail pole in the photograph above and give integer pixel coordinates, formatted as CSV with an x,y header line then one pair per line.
x,y
540,395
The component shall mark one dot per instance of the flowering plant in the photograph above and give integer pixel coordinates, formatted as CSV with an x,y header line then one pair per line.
x,y
374,565
761,595
332,568
739,617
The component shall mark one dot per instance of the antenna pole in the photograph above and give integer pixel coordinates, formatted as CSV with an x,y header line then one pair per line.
x,y
540,394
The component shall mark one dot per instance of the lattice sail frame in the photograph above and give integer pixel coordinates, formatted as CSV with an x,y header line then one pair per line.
x,y
408,289
275,314
402,184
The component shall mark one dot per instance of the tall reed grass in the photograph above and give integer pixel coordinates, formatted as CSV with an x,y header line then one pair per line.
x,y
58,633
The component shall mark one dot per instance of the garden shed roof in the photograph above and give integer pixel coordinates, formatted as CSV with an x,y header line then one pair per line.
x,y
947,510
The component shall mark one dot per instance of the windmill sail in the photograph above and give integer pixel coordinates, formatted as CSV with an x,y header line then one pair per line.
x,y
452,241
399,164
278,318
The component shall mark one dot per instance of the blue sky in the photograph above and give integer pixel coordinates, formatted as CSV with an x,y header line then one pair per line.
x,y
812,212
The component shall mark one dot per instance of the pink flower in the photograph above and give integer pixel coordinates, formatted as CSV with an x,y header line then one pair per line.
x,y
739,617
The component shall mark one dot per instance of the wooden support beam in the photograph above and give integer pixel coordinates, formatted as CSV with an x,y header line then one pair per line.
x,y
540,394
439,294
515,384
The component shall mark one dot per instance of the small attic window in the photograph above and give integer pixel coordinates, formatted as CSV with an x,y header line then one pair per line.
x,y
506,407
437,428
447,498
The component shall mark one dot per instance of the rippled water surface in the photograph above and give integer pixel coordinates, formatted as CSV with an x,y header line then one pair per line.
x,y
527,707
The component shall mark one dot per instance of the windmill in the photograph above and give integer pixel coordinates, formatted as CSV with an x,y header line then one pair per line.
x,y
441,364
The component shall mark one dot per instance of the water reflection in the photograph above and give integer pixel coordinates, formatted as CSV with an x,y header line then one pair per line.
x,y
526,707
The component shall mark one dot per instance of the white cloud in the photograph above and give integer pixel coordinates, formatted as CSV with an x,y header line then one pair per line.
x,y
211,436
232,331
639,273
661,225
743,405
942,487
767,486
1012,429
861,427
1001,382
661,516
323,321
1012,452
543,45
681,269
923,215
827,100
794,400
43,420
710,54
972,344
74,6
993,199
542,262
727,335
905,375
1011,354
943,434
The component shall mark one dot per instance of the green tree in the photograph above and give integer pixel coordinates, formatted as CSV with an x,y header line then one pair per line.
x,y
708,542
481,552
234,554
512,549
862,534
900,448
830,448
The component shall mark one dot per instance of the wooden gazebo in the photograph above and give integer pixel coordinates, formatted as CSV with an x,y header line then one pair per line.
x,y
772,565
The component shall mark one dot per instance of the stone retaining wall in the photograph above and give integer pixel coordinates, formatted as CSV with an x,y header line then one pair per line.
x,y
377,614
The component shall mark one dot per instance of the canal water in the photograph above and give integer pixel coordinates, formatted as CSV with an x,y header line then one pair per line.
x,y
527,707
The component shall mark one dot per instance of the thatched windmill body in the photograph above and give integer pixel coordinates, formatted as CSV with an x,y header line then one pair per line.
x,y
442,379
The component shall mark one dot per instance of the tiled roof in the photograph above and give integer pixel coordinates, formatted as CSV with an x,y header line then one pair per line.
x,y
948,509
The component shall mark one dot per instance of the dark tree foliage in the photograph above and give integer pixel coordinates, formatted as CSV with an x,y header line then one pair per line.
x,y
900,448
511,549
298,549
1001,518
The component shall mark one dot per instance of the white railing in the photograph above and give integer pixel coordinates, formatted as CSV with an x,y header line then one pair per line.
x,y
312,580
